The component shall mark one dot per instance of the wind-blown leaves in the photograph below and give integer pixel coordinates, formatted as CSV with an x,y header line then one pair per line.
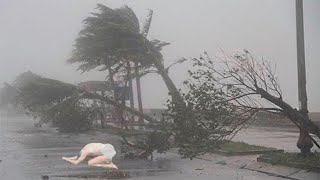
x,y
158,45
54,101
50,100
110,36
147,24
8,95
45,91
62,103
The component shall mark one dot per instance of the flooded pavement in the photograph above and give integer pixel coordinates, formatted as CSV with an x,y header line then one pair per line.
x,y
27,152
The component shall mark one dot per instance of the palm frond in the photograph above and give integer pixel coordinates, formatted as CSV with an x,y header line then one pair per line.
x,y
158,45
147,24
111,36
179,61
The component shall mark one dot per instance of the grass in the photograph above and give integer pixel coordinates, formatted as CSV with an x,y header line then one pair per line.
x,y
231,146
312,159
119,131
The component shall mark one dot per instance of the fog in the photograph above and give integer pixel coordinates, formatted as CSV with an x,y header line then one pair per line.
x,y
37,35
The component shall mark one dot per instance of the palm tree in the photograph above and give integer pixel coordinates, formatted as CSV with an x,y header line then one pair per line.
x,y
112,37
144,32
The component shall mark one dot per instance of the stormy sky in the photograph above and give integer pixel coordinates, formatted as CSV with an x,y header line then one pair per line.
x,y
37,35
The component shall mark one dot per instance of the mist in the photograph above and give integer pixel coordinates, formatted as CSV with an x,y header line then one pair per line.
x,y
37,35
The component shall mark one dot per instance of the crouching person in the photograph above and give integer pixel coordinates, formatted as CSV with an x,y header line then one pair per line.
x,y
101,154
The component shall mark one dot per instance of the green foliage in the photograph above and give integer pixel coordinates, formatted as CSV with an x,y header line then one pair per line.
x,y
146,143
147,24
196,130
71,116
312,159
158,141
209,117
43,91
25,78
111,37
232,146
10,92
8,96
53,101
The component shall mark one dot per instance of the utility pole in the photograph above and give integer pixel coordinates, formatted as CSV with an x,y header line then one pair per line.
x,y
304,143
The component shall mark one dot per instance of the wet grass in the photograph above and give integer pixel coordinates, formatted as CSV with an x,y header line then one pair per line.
x,y
117,131
231,146
312,159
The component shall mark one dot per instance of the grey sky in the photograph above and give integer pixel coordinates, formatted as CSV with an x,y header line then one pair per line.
x,y
37,35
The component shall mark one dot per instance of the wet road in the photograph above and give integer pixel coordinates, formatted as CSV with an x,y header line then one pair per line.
x,y
27,152
274,137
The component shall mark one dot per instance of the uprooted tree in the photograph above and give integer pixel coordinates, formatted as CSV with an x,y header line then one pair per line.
x,y
248,83
69,108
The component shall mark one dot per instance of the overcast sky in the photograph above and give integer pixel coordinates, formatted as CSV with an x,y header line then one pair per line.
x,y
37,35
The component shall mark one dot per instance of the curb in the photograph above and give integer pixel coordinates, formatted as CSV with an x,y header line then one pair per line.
x,y
270,174
252,152
290,164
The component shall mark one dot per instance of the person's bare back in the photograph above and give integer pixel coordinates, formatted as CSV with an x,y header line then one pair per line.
x,y
102,155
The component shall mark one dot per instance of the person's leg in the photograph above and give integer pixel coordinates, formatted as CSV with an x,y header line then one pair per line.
x,y
71,158
102,161
74,161
111,165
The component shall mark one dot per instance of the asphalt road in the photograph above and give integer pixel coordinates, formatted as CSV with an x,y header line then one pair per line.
x,y
27,152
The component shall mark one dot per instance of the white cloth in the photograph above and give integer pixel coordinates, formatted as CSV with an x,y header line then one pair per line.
x,y
108,151
99,149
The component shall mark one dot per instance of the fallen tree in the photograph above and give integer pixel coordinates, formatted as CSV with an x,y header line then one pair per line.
x,y
68,107
250,83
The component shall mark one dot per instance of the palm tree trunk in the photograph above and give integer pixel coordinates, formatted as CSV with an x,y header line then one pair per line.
x,y
102,118
175,94
112,83
131,90
136,66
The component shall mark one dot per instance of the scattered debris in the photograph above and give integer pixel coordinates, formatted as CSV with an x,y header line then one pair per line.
x,y
37,124
242,167
199,169
221,163
114,174
44,177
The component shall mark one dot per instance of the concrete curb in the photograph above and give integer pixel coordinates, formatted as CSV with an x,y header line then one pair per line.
x,y
290,164
270,173
252,152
